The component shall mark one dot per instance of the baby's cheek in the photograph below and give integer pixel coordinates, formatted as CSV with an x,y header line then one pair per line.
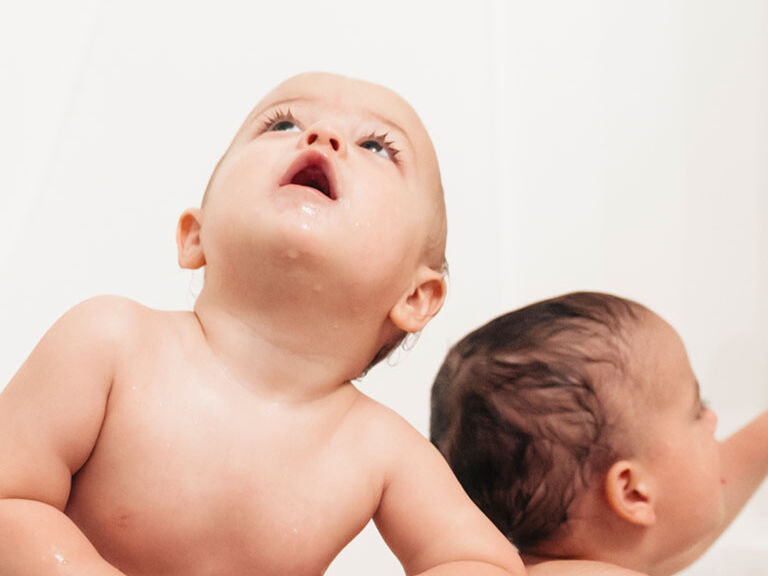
x,y
714,480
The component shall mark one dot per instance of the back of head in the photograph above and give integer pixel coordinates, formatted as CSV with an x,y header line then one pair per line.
x,y
525,409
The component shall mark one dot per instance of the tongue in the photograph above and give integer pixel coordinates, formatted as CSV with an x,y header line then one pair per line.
x,y
313,177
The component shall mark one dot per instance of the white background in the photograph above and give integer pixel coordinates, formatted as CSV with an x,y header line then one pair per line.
x,y
618,146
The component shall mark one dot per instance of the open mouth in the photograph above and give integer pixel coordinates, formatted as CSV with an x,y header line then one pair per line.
x,y
312,171
313,177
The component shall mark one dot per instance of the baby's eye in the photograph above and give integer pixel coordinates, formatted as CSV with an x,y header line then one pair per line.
x,y
280,121
378,144
284,126
374,146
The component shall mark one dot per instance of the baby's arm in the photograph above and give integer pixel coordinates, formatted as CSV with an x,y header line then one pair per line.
x,y
744,464
427,519
50,417
579,568
744,461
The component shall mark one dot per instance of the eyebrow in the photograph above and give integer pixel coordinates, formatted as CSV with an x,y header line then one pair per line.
x,y
392,123
259,110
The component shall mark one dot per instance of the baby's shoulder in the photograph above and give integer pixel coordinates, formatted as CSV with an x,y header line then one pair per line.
x,y
112,320
380,419
380,428
579,568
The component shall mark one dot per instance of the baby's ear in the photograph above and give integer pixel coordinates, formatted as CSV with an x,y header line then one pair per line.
x,y
630,493
188,244
420,302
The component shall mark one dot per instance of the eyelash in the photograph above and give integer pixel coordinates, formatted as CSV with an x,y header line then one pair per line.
x,y
280,115
381,140
276,117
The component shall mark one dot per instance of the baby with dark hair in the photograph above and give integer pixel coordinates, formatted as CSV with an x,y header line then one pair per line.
x,y
576,424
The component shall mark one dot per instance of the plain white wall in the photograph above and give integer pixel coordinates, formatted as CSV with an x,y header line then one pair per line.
x,y
610,145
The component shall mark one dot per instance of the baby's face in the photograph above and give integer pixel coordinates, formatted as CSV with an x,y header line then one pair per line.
x,y
677,437
335,171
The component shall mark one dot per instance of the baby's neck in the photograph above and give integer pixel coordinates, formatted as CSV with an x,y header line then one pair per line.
x,y
285,353
588,543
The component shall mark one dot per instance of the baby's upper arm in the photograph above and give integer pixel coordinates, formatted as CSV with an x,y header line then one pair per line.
x,y
425,516
52,410
579,568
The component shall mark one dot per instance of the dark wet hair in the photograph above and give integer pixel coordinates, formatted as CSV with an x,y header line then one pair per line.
x,y
525,410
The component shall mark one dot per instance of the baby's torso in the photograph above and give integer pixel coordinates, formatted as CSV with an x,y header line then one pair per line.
x,y
193,474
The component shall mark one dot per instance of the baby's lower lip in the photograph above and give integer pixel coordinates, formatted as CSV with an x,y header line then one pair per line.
x,y
314,193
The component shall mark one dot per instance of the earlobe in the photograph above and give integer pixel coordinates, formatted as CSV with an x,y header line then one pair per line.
x,y
629,492
421,302
188,245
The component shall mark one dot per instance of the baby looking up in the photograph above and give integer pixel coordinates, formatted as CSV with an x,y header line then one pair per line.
x,y
577,426
229,439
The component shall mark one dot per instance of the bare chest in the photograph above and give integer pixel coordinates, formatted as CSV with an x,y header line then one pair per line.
x,y
194,478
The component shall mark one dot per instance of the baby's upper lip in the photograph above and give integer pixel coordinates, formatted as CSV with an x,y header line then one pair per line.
x,y
314,170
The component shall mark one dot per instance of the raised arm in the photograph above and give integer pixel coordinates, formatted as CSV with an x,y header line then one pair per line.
x,y
429,522
50,416
744,458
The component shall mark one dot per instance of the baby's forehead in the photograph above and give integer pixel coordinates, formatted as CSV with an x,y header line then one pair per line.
x,y
348,95
350,99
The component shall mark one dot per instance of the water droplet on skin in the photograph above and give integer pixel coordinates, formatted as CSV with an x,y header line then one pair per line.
x,y
60,559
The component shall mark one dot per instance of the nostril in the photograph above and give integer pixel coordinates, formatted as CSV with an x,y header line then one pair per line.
x,y
311,138
334,144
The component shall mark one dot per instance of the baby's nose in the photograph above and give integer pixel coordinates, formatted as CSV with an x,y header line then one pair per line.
x,y
324,135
